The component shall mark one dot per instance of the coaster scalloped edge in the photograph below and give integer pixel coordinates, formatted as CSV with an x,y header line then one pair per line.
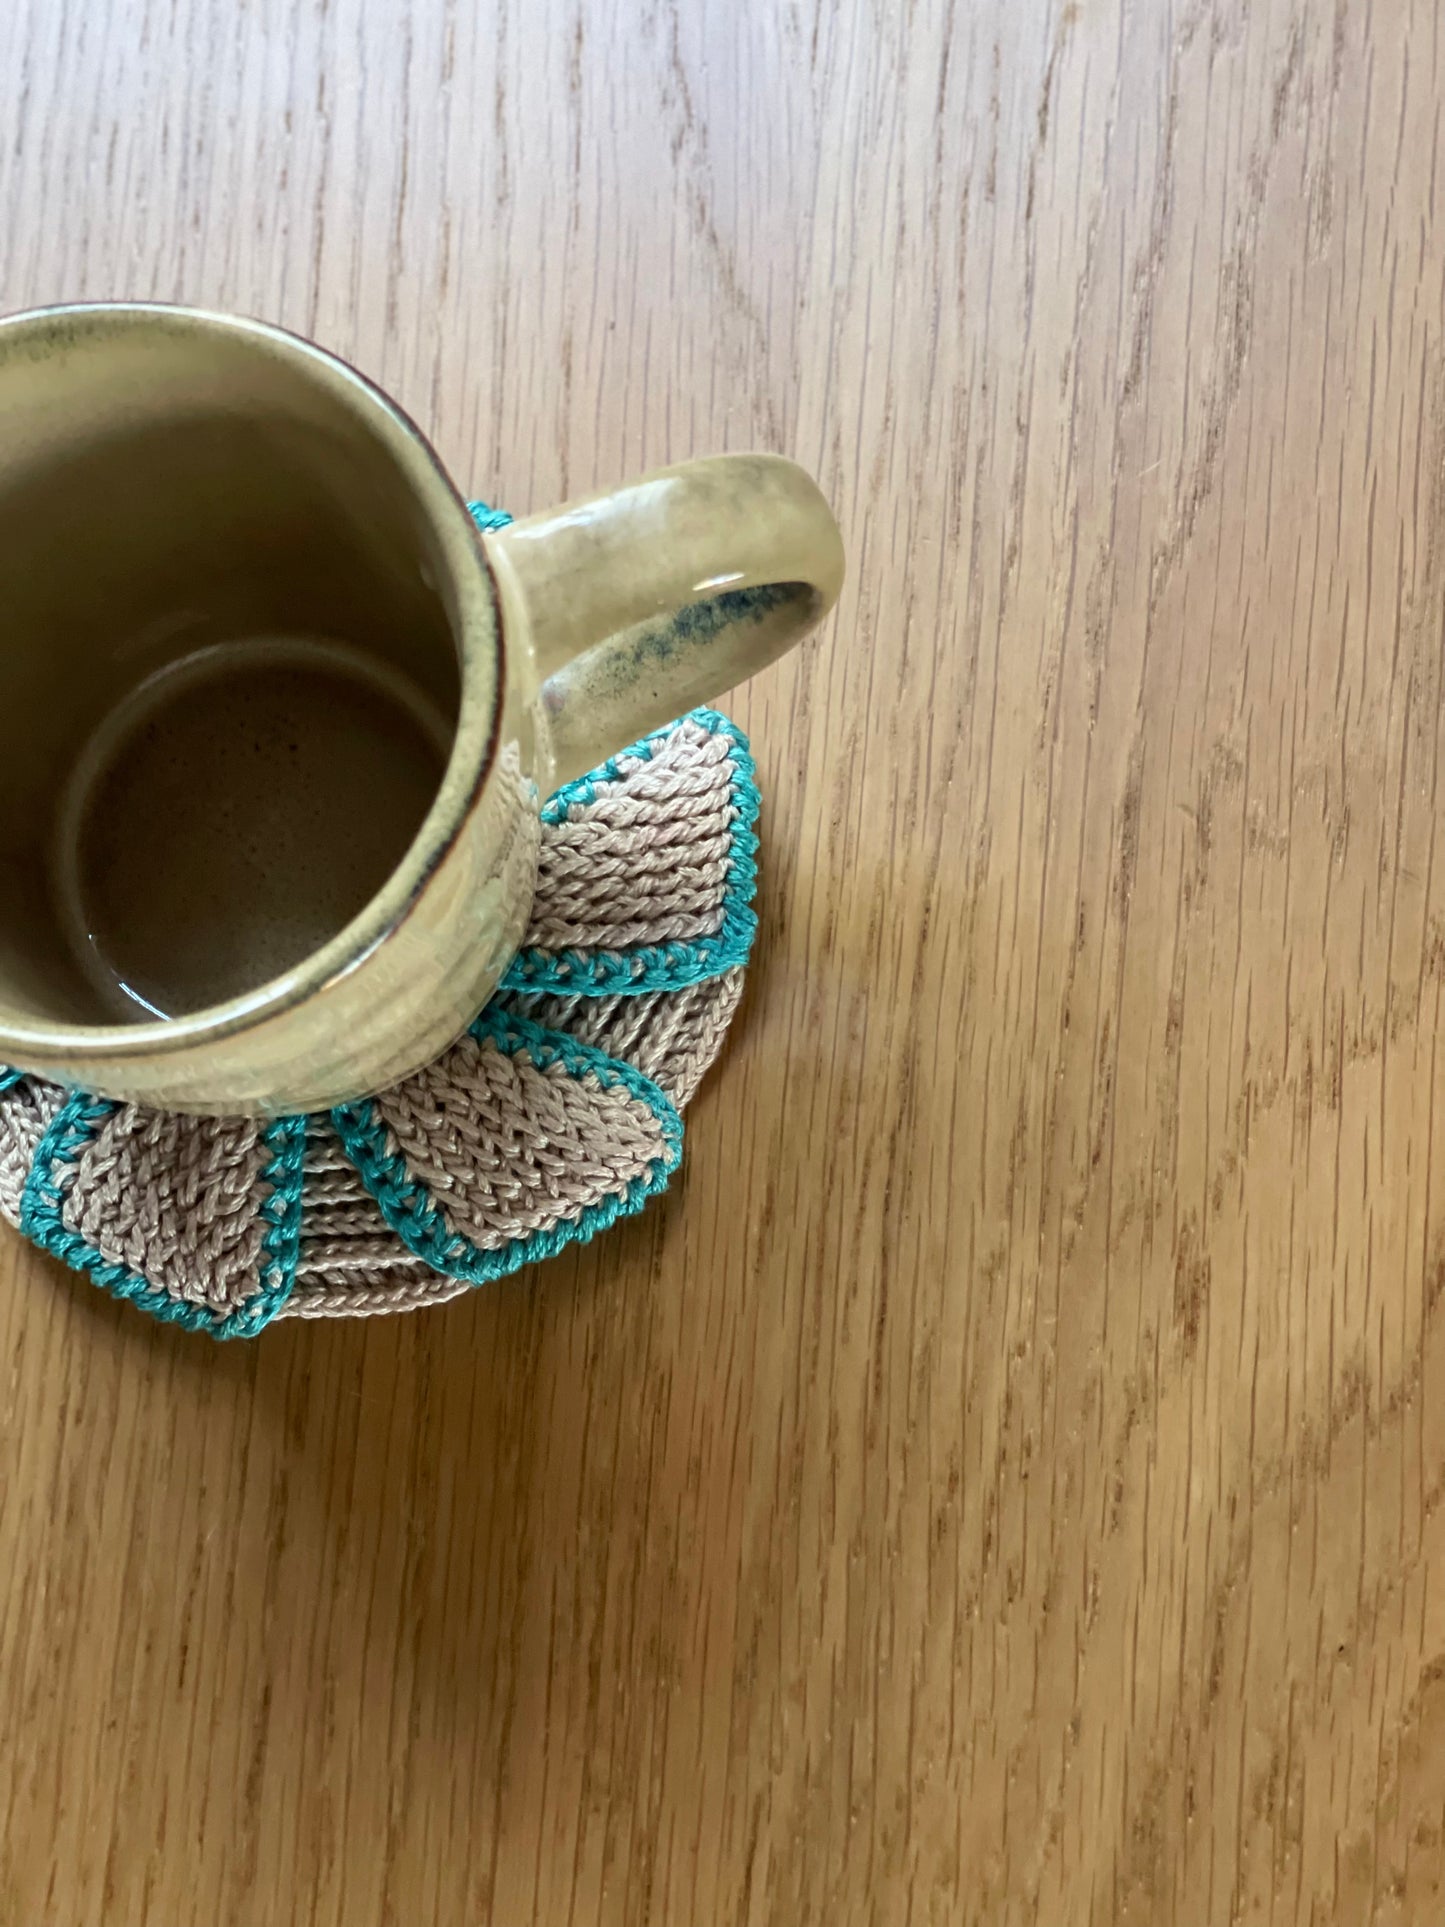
x,y
347,1225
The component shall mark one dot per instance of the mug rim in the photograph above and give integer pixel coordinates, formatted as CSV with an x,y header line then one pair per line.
x,y
471,593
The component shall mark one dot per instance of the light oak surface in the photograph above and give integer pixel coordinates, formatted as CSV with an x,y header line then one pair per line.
x,y
1002,1481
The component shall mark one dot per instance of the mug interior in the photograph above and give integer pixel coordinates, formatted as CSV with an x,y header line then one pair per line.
x,y
226,616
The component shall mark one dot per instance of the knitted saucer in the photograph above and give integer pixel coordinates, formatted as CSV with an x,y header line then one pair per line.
x,y
556,1114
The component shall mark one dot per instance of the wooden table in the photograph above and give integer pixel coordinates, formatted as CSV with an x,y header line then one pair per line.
x,y
1002,1481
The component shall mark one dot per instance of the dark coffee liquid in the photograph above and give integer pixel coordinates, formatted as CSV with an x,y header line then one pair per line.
x,y
235,815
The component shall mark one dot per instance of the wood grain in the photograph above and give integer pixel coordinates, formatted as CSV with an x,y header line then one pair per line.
x,y
1002,1482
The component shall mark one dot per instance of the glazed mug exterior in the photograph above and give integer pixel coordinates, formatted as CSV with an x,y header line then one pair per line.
x,y
573,632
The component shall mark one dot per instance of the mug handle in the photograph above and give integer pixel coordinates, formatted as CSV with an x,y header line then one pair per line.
x,y
643,602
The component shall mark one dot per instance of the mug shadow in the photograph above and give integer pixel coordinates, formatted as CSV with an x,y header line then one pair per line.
x,y
415,1526
444,1523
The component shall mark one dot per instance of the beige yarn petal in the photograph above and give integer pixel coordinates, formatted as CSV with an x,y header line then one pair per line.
x,y
176,1200
26,1113
352,1264
646,861
671,1036
506,1147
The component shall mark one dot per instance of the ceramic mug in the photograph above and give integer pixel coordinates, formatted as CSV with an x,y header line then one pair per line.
x,y
279,719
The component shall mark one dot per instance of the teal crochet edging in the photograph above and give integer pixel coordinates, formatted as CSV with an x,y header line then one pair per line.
x,y
664,966
486,517
9,1079
409,1208
73,1127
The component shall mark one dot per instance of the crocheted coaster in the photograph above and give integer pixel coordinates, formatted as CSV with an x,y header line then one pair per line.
x,y
556,1114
